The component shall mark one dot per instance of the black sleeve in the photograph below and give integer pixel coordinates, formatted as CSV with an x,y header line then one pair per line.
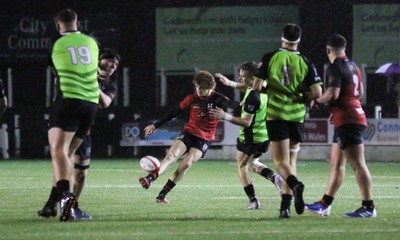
x,y
224,102
312,76
231,104
167,117
334,76
262,71
252,102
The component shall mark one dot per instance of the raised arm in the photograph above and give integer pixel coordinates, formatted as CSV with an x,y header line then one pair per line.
x,y
224,80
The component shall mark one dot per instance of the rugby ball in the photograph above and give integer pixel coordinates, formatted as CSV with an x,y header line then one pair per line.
x,y
150,164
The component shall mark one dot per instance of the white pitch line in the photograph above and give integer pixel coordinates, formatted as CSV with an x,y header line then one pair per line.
x,y
195,186
213,234
309,197
373,177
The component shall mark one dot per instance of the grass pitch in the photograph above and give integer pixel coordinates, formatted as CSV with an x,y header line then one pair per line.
x,y
209,203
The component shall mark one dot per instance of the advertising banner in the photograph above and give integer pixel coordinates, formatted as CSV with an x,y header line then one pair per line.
x,y
28,37
316,132
218,38
382,132
376,33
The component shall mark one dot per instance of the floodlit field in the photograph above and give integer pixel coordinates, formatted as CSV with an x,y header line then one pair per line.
x,y
207,204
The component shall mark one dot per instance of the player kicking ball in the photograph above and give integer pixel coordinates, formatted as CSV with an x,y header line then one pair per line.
x,y
197,135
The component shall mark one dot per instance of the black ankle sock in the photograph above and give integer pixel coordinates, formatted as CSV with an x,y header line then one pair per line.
x,y
368,204
62,187
327,200
249,190
286,201
167,188
267,173
54,195
292,181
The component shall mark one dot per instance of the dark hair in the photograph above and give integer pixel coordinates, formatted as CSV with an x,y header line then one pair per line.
x,y
250,67
108,53
291,33
67,16
204,79
337,41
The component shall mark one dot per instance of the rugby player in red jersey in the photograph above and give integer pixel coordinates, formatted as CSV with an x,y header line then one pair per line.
x,y
343,96
197,135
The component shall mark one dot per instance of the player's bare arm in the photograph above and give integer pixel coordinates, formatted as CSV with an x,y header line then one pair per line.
x,y
220,114
224,80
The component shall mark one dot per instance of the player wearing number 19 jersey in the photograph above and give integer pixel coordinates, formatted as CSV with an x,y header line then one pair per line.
x,y
74,59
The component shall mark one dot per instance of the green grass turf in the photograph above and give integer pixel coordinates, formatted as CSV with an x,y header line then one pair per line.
x,y
207,204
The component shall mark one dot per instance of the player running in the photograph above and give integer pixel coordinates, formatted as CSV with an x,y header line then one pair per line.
x,y
253,136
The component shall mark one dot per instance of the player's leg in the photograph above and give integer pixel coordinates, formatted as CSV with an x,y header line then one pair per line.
x,y
296,186
80,153
59,146
81,159
242,161
296,131
293,150
280,134
81,170
197,148
69,118
337,171
174,153
293,153
337,163
355,156
62,169
50,207
285,155
292,187
191,157
177,149
281,156
263,170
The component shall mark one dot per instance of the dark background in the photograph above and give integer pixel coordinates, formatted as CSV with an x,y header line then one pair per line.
x,y
134,38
